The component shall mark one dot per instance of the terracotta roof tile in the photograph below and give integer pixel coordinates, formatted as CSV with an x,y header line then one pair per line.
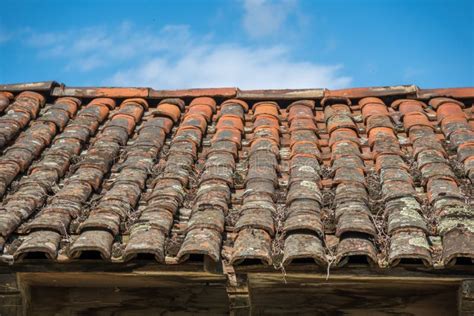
x,y
334,177
5,99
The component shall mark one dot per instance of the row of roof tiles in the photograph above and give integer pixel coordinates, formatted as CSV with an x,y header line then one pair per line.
x,y
282,155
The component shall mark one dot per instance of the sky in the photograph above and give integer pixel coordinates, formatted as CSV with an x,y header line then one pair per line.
x,y
250,44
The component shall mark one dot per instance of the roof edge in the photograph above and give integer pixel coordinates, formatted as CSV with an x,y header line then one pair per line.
x,y
201,92
94,92
458,93
373,91
30,86
286,94
410,91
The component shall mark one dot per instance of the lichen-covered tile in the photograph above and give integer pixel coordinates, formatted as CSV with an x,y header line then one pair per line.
x,y
99,241
355,246
403,213
44,241
304,246
299,220
253,244
355,222
411,244
201,241
458,243
147,239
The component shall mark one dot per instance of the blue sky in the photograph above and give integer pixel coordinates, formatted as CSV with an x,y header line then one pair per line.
x,y
244,43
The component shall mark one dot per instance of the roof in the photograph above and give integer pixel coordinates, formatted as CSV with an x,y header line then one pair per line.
x,y
380,176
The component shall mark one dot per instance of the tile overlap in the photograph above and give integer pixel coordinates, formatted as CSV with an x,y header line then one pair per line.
x,y
120,179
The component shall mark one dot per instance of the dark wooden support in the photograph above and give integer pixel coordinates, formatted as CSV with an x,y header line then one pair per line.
x,y
238,292
220,289
466,298
13,299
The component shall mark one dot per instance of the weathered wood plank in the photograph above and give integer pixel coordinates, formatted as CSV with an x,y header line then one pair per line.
x,y
8,283
310,270
10,304
196,300
466,298
352,298
263,293
266,279
100,266
105,279
455,272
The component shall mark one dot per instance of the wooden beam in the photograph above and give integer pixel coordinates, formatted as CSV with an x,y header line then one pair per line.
x,y
238,292
100,266
11,296
466,298
456,273
235,292
344,297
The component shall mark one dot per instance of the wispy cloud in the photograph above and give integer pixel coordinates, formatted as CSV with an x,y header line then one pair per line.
x,y
265,17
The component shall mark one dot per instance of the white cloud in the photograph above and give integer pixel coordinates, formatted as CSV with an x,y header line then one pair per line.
x,y
228,66
266,17
172,58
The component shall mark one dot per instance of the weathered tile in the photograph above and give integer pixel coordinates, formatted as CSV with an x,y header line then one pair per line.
x,y
409,245
253,175
303,246
45,241
99,241
201,241
253,244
